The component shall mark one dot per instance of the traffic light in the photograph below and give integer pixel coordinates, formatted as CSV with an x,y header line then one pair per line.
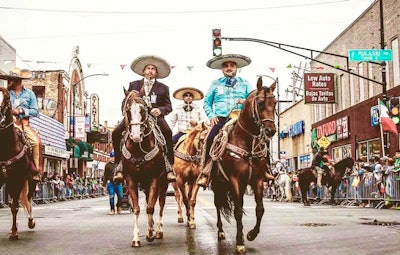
x,y
216,41
395,109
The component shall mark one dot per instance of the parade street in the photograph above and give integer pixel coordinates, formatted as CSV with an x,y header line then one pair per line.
x,y
84,227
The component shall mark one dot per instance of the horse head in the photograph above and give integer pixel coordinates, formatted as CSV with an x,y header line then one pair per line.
x,y
5,108
136,116
262,103
198,135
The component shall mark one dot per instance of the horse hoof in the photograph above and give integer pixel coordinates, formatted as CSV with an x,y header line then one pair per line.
x,y
13,238
159,235
251,235
135,243
192,225
221,236
306,204
31,224
240,249
180,220
150,238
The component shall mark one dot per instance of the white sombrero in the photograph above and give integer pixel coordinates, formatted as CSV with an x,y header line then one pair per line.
x,y
197,94
163,68
17,74
217,62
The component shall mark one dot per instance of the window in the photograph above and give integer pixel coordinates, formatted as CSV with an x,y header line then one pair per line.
x,y
369,149
339,153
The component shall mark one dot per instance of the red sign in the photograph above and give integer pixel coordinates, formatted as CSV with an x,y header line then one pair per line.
x,y
319,88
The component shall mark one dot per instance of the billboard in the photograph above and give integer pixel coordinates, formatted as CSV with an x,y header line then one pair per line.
x,y
319,88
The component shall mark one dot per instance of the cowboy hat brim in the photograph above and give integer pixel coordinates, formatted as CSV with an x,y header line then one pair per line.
x,y
197,94
163,68
17,74
240,60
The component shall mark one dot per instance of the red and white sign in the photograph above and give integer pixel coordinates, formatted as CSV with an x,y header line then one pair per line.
x,y
319,88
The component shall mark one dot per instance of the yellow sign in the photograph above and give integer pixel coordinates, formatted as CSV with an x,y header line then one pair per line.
x,y
323,142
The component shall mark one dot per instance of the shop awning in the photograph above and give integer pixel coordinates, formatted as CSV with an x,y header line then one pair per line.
x,y
85,154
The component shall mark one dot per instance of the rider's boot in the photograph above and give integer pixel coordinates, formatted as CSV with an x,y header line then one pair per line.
x,y
203,179
171,176
35,168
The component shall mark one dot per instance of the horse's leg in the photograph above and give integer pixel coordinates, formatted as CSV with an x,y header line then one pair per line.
x,y
184,197
192,205
252,234
281,189
333,191
304,187
178,199
27,203
151,201
288,189
161,201
220,234
238,192
132,188
14,210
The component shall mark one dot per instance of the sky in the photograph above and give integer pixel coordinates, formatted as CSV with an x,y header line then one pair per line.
x,y
111,34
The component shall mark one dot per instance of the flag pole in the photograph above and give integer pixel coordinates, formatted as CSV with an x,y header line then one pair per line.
x,y
381,129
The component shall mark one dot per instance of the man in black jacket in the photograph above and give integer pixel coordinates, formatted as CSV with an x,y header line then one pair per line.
x,y
156,95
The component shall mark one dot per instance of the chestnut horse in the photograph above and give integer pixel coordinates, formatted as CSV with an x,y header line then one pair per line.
x,y
306,176
15,163
188,152
143,163
244,161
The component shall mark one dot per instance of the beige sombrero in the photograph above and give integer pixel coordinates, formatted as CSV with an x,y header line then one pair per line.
x,y
17,74
197,94
163,68
240,60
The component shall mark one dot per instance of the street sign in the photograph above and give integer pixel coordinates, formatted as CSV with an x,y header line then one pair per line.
x,y
323,142
370,55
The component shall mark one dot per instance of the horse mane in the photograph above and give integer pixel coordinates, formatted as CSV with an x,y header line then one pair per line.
x,y
343,164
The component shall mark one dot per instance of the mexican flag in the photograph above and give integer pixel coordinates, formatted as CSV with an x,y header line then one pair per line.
x,y
386,122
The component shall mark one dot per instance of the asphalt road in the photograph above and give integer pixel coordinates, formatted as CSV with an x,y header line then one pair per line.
x,y
83,227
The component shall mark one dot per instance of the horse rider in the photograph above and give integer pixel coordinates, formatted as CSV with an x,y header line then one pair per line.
x,y
188,114
156,95
318,164
113,187
224,95
24,105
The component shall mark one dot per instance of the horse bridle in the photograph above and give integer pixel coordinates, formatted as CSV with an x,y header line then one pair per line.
x,y
3,117
143,123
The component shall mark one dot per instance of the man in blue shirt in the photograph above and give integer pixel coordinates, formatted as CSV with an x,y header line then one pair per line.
x,y
224,95
24,106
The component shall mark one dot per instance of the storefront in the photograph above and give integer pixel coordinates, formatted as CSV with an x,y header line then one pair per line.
x,y
54,154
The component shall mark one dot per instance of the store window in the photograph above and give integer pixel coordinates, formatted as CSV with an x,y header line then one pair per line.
x,y
369,149
339,153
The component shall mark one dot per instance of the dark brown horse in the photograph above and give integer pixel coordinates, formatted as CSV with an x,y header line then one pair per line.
x,y
306,176
15,163
243,161
188,152
143,163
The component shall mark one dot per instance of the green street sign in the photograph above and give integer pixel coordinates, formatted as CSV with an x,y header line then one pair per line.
x,y
370,55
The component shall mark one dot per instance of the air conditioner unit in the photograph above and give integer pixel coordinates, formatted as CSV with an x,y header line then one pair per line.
x,y
73,163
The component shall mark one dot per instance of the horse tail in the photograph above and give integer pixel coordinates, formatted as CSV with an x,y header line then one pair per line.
x,y
223,199
26,196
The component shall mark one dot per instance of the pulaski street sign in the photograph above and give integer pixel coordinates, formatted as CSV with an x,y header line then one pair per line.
x,y
319,88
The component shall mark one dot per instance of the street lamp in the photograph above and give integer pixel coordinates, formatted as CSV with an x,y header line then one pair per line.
x,y
73,122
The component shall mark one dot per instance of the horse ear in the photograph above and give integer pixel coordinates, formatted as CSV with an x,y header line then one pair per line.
x,y
126,92
259,83
273,86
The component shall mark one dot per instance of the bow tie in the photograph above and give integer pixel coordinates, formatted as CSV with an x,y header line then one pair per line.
x,y
230,82
148,82
188,108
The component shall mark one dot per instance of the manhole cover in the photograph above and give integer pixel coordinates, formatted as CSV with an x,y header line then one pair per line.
x,y
382,223
316,224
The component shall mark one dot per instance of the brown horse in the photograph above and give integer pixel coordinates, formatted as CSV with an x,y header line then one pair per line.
x,y
15,163
244,160
306,176
143,163
188,152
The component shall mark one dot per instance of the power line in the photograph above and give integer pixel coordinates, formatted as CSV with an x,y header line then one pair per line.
x,y
171,12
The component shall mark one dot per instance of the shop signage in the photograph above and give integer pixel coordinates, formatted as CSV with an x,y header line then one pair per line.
x,y
94,112
375,116
296,129
334,130
56,152
319,88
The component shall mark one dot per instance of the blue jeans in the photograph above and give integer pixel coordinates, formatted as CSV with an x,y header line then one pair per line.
x,y
113,188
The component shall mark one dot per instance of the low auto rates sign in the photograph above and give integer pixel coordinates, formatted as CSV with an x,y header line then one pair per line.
x,y
319,88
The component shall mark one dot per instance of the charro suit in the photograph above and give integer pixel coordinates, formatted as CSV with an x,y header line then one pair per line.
x,y
162,101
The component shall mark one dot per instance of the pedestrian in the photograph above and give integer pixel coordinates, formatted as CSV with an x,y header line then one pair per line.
x,y
224,95
24,106
188,114
157,97
113,187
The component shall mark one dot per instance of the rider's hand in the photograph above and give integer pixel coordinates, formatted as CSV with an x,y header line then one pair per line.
x,y
240,101
213,121
155,112
193,123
